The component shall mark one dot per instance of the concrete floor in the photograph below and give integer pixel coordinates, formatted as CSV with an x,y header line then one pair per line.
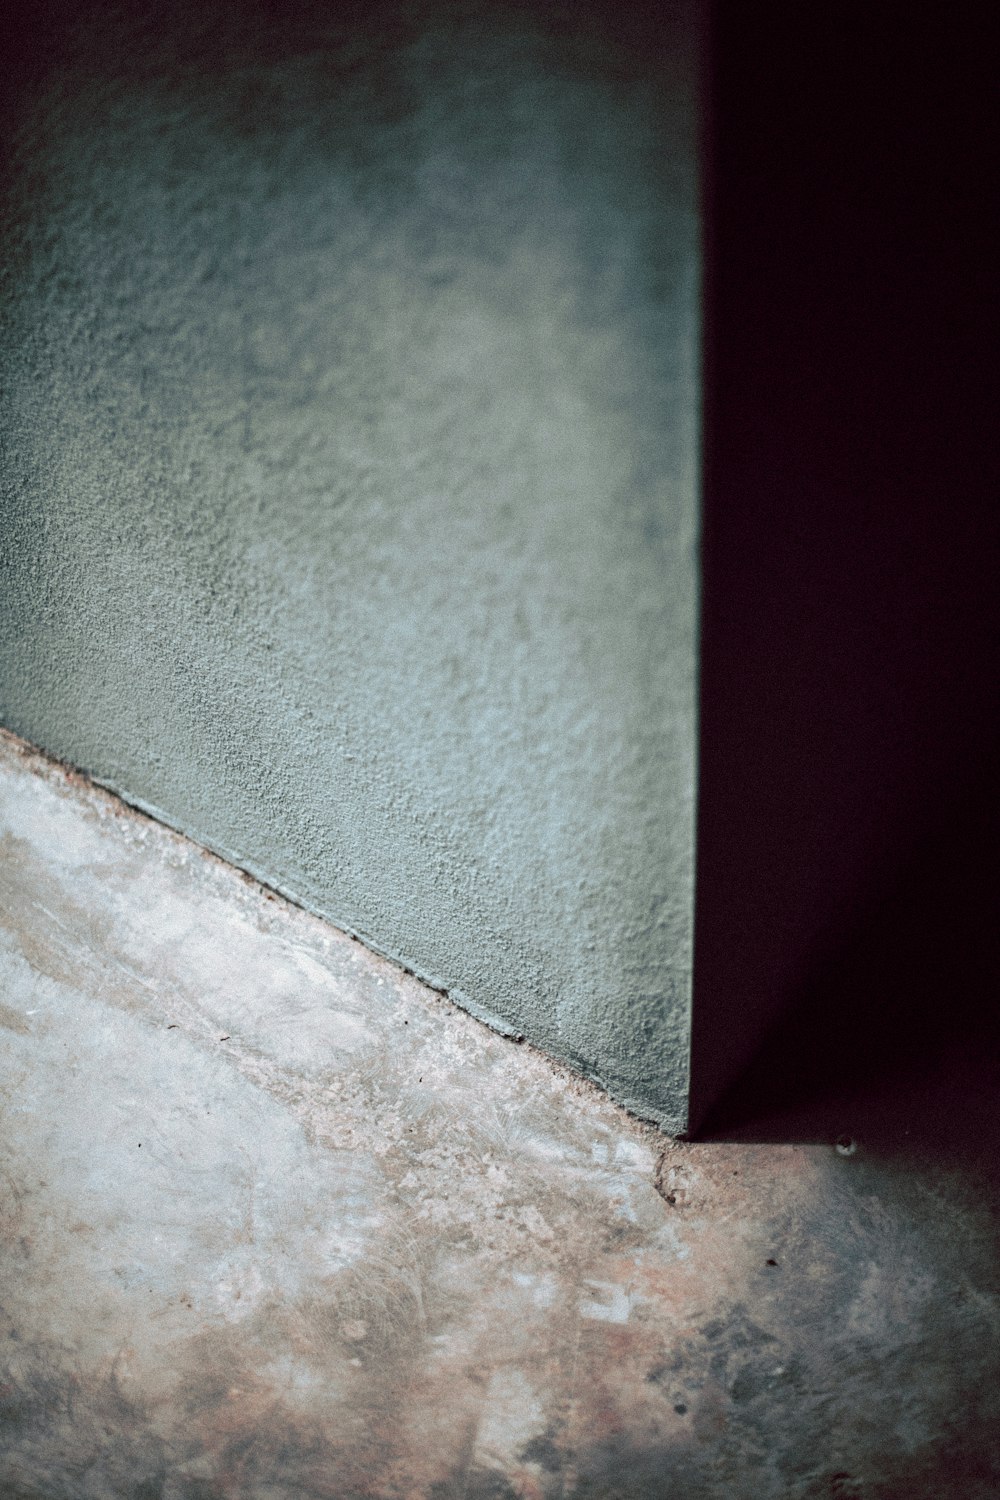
x,y
280,1223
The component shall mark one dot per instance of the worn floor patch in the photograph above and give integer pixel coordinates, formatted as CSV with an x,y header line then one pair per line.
x,y
279,1221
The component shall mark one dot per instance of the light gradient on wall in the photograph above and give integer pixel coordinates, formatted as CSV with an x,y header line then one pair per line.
x,y
349,508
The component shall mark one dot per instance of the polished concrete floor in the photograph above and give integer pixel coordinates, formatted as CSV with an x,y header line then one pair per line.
x,y
279,1223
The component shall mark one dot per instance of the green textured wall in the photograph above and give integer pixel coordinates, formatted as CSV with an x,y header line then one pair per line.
x,y
349,511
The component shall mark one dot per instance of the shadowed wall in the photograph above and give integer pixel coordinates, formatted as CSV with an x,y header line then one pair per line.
x,y
349,492
848,706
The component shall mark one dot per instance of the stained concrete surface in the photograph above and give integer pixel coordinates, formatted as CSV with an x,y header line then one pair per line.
x,y
280,1221
349,490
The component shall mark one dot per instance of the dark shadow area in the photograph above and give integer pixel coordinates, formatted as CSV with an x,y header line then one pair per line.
x,y
849,560
894,1037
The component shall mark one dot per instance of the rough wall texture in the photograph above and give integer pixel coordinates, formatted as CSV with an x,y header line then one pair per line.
x,y
349,493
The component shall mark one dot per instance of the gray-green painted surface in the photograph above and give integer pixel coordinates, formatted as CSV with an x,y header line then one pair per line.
x,y
349,486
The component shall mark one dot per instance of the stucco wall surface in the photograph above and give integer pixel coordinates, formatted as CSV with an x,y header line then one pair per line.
x,y
349,479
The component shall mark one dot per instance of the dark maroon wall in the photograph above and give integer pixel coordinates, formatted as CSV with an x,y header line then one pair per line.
x,y
849,529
